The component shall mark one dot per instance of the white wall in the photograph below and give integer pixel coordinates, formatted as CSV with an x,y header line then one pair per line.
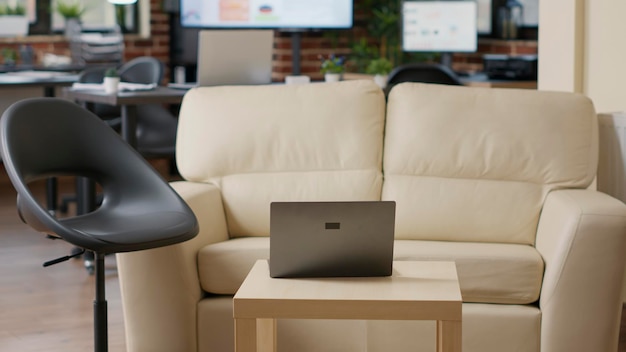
x,y
582,49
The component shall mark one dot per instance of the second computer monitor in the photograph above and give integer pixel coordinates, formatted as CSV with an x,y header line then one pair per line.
x,y
235,57
439,26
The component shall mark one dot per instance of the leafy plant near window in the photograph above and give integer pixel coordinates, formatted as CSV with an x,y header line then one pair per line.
x,y
70,9
383,35
7,10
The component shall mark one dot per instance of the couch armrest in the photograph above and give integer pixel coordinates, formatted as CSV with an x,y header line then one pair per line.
x,y
160,287
582,238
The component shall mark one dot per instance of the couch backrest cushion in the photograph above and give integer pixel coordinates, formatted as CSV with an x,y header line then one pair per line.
x,y
260,144
475,164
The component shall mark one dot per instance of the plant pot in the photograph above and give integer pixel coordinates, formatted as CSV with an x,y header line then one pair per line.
x,y
381,80
73,27
111,84
13,26
332,77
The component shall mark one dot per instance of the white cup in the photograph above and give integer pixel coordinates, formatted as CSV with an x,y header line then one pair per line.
x,y
111,84
180,74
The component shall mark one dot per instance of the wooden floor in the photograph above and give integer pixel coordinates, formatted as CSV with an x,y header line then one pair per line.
x,y
48,309
51,309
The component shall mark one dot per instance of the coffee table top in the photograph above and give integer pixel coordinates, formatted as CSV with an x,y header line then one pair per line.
x,y
417,290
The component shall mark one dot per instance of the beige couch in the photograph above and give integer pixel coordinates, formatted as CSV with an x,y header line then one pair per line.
x,y
495,180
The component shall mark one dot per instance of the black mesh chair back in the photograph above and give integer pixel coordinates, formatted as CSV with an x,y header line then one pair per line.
x,y
424,73
156,126
44,137
144,69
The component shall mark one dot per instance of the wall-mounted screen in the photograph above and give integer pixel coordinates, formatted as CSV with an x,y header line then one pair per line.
x,y
274,14
439,26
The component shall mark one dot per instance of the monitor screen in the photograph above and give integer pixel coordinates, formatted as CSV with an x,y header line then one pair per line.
x,y
270,14
439,26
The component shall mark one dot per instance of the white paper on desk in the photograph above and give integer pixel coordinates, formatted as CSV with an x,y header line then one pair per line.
x,y
124,86
87,86
127,86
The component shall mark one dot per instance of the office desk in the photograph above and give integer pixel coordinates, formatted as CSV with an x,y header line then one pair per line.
x,y
47,81
482,80
473,80
128,102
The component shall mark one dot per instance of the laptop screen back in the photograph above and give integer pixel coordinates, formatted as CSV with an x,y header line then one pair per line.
x,y
234,57
329,239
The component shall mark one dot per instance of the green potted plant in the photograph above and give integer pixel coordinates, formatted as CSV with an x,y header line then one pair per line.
x,y
380,68
333,68
111,80
72,11
13,20
9,56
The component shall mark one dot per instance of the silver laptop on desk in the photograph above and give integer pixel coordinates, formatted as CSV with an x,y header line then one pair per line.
x,y
331,239
234,57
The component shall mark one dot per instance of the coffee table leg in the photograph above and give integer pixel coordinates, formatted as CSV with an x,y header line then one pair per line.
x,y
245,335
449,336
266,335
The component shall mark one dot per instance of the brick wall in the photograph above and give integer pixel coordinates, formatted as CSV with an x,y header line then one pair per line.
x,y
474,62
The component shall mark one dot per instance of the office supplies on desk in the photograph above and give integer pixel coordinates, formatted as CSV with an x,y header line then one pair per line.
x,y
123,86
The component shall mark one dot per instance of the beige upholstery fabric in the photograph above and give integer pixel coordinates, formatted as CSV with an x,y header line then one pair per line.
x,y
263,144
476,164
488,272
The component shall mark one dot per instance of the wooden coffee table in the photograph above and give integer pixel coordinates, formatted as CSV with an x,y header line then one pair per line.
x,y
415,291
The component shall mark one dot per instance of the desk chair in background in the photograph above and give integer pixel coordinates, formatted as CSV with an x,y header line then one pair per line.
x,y
424,73
41,137
156,126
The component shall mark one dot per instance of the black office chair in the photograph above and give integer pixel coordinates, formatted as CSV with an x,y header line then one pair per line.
x,y
43,137
422,72
156,126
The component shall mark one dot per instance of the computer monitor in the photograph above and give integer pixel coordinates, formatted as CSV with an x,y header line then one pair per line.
x,y
274,14
439,26
235,57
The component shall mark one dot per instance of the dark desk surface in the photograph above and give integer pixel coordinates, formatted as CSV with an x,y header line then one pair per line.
x,y
36,79
482,80
162,95
59,68
128,101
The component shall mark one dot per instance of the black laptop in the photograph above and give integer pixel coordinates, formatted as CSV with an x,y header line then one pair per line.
x,y
331,239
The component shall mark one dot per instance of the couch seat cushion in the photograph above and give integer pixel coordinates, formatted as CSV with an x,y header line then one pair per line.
x,y
488,272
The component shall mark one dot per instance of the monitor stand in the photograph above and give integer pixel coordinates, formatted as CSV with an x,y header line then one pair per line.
x,y
446,60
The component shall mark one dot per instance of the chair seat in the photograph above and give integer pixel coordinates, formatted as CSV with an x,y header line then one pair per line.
x,y
122,232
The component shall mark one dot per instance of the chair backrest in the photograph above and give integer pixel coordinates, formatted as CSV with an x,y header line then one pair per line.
x,y
43,137
475,164
423,73
144,69
259,144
